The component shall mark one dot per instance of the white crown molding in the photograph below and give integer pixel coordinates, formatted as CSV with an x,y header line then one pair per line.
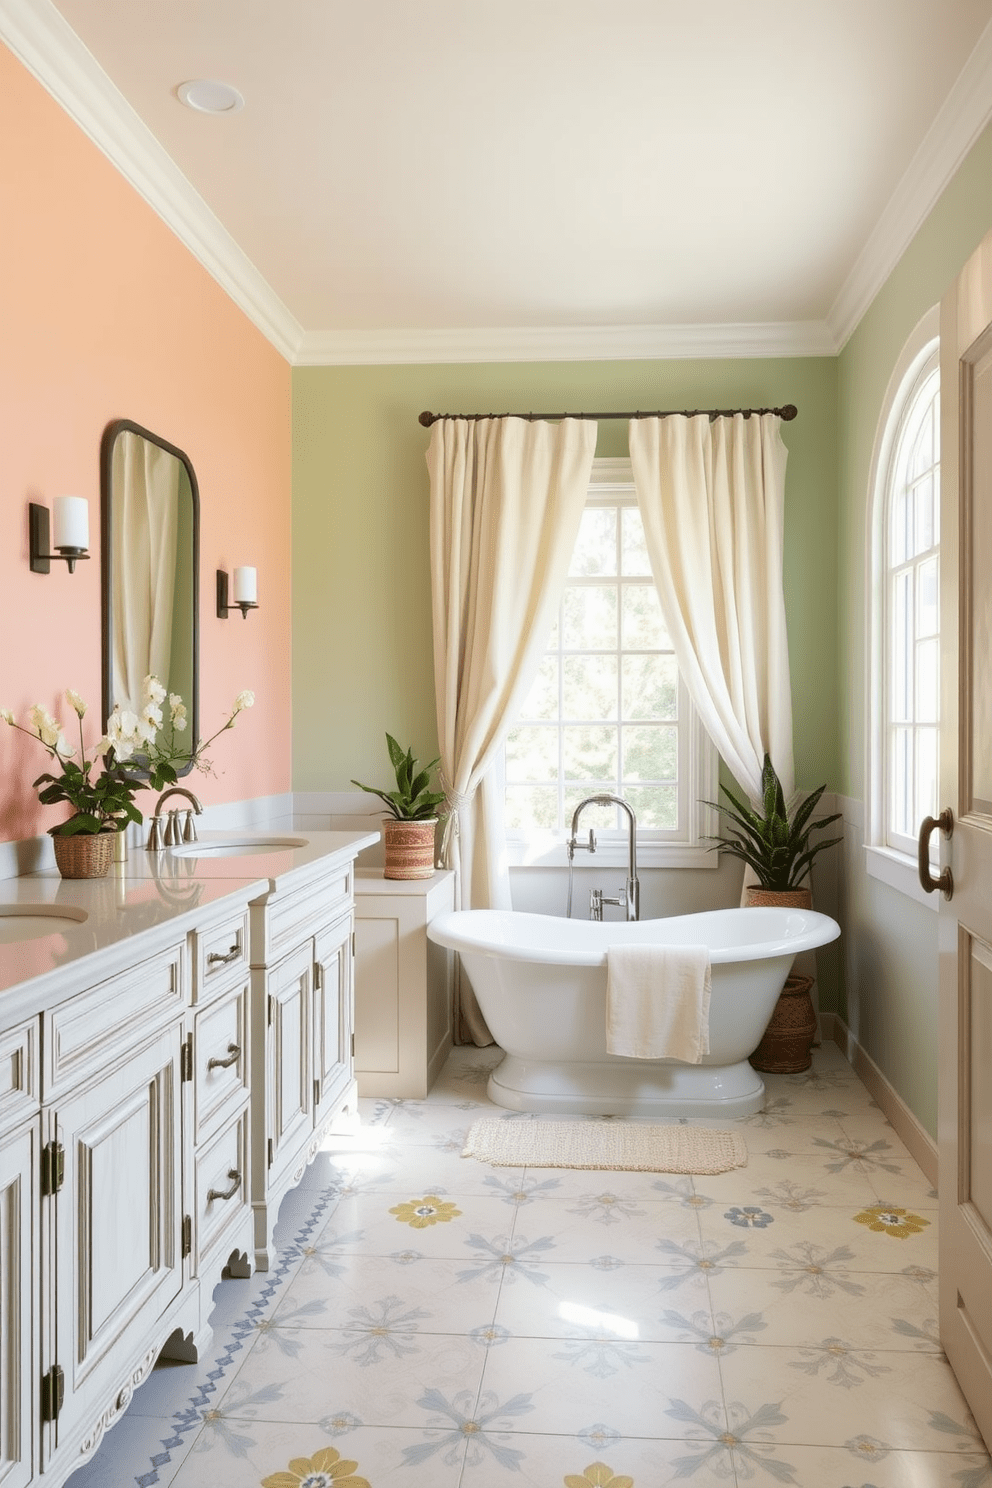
x,y
960,120
43,40
564,344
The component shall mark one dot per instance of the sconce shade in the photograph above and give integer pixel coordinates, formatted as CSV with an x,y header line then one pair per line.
x,y
245,586
71,522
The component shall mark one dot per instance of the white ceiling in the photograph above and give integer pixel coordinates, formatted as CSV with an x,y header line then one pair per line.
x,y
510,172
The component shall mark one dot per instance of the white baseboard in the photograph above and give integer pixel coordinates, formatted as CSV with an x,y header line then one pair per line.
x,y
908,1129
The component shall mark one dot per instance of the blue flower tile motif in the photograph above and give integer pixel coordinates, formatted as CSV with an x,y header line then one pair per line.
x,y
462,1420
599,1436
750,1217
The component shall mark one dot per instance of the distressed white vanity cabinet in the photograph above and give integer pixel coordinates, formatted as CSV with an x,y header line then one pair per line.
x,y
147,1056
20,1173
302,1075
144,1178
403,984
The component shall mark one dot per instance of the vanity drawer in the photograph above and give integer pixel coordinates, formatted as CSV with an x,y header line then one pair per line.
x,y
220,1055
19,1095
220,955
221,1186
288,919
91,1031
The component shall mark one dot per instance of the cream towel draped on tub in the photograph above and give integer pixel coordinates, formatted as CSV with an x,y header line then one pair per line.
x,y
658,1002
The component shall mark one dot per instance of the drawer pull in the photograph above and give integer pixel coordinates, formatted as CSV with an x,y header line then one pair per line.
x,y
226,1193
216,959
233,1051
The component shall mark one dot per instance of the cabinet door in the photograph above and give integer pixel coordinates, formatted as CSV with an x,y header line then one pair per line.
x,y
333,1014
18,1317
118,1259
290,1104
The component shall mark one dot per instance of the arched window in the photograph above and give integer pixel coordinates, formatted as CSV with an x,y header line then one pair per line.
x,y
904,600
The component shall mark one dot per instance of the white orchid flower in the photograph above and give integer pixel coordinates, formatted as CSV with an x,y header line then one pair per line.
x,y
75,701
244,699
152,690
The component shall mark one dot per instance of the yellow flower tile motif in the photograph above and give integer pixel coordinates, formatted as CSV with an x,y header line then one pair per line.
x,y
897,1222
598,1475
430,1210
325,1469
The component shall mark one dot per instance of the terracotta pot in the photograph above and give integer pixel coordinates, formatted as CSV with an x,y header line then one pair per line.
x,y
87,855
786,1042
409,848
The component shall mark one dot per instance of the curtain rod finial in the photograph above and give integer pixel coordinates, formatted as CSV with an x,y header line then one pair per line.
x,y
426,418
789,412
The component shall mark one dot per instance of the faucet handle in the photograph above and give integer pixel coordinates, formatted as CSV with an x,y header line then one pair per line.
x,y
189,830
155,843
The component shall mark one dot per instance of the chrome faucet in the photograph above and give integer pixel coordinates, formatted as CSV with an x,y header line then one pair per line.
x,y
173,834
629,897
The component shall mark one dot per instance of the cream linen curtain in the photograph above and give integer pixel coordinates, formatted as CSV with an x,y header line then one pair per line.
x,y
506,502
712,499
145,523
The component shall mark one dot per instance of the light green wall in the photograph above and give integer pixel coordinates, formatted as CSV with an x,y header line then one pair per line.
x,y
362,650
890,942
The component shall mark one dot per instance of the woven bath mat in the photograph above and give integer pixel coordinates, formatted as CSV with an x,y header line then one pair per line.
x,y
640,1146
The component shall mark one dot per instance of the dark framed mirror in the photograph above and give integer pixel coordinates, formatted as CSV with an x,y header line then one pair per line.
x,y
150,553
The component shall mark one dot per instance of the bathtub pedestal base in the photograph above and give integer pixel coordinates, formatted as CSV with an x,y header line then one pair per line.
x,y
641,1089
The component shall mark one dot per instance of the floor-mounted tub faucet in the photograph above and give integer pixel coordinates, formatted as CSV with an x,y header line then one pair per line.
x,y
629,898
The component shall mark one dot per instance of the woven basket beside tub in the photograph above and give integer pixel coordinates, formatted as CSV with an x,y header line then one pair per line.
x,y
786,1043
86,855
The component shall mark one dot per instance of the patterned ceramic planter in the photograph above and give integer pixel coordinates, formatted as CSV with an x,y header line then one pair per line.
x,y
409,848
786,1042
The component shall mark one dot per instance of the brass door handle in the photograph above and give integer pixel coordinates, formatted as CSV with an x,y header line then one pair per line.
x,y
226,1193
945,882
233,1051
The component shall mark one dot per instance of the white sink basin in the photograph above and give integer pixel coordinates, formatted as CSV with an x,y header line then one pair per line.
x,y
32,921
244,846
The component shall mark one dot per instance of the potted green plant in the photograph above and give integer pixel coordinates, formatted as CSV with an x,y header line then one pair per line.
x,y
408,830
779,850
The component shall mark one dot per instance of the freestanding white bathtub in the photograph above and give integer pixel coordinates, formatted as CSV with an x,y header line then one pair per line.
x,y
541,985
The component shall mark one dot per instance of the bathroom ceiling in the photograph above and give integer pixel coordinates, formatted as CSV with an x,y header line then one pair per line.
x,y
513,167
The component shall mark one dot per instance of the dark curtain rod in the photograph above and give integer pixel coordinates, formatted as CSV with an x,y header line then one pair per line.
x,y
786,414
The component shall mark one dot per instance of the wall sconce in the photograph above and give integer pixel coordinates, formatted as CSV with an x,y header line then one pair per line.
x,y
245,592
72,533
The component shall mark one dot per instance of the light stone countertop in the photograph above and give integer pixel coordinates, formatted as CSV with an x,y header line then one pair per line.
x,y
157,895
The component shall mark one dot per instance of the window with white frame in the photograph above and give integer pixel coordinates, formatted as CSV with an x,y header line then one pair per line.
x,y
608,711
910,673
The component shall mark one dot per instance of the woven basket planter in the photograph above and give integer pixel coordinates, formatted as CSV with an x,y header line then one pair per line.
x,y
786,1042
87,855
409,848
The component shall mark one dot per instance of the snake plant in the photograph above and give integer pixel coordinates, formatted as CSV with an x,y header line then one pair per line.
x,y
412,800
779,850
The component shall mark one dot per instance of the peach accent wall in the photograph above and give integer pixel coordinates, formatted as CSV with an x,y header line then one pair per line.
x,y
104,314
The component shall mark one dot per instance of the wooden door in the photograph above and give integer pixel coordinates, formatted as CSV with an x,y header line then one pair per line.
x,y
19,1269
117,1230
333,1014
290,1102
965,929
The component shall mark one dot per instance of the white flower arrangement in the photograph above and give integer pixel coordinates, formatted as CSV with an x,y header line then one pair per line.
x,y
134,742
